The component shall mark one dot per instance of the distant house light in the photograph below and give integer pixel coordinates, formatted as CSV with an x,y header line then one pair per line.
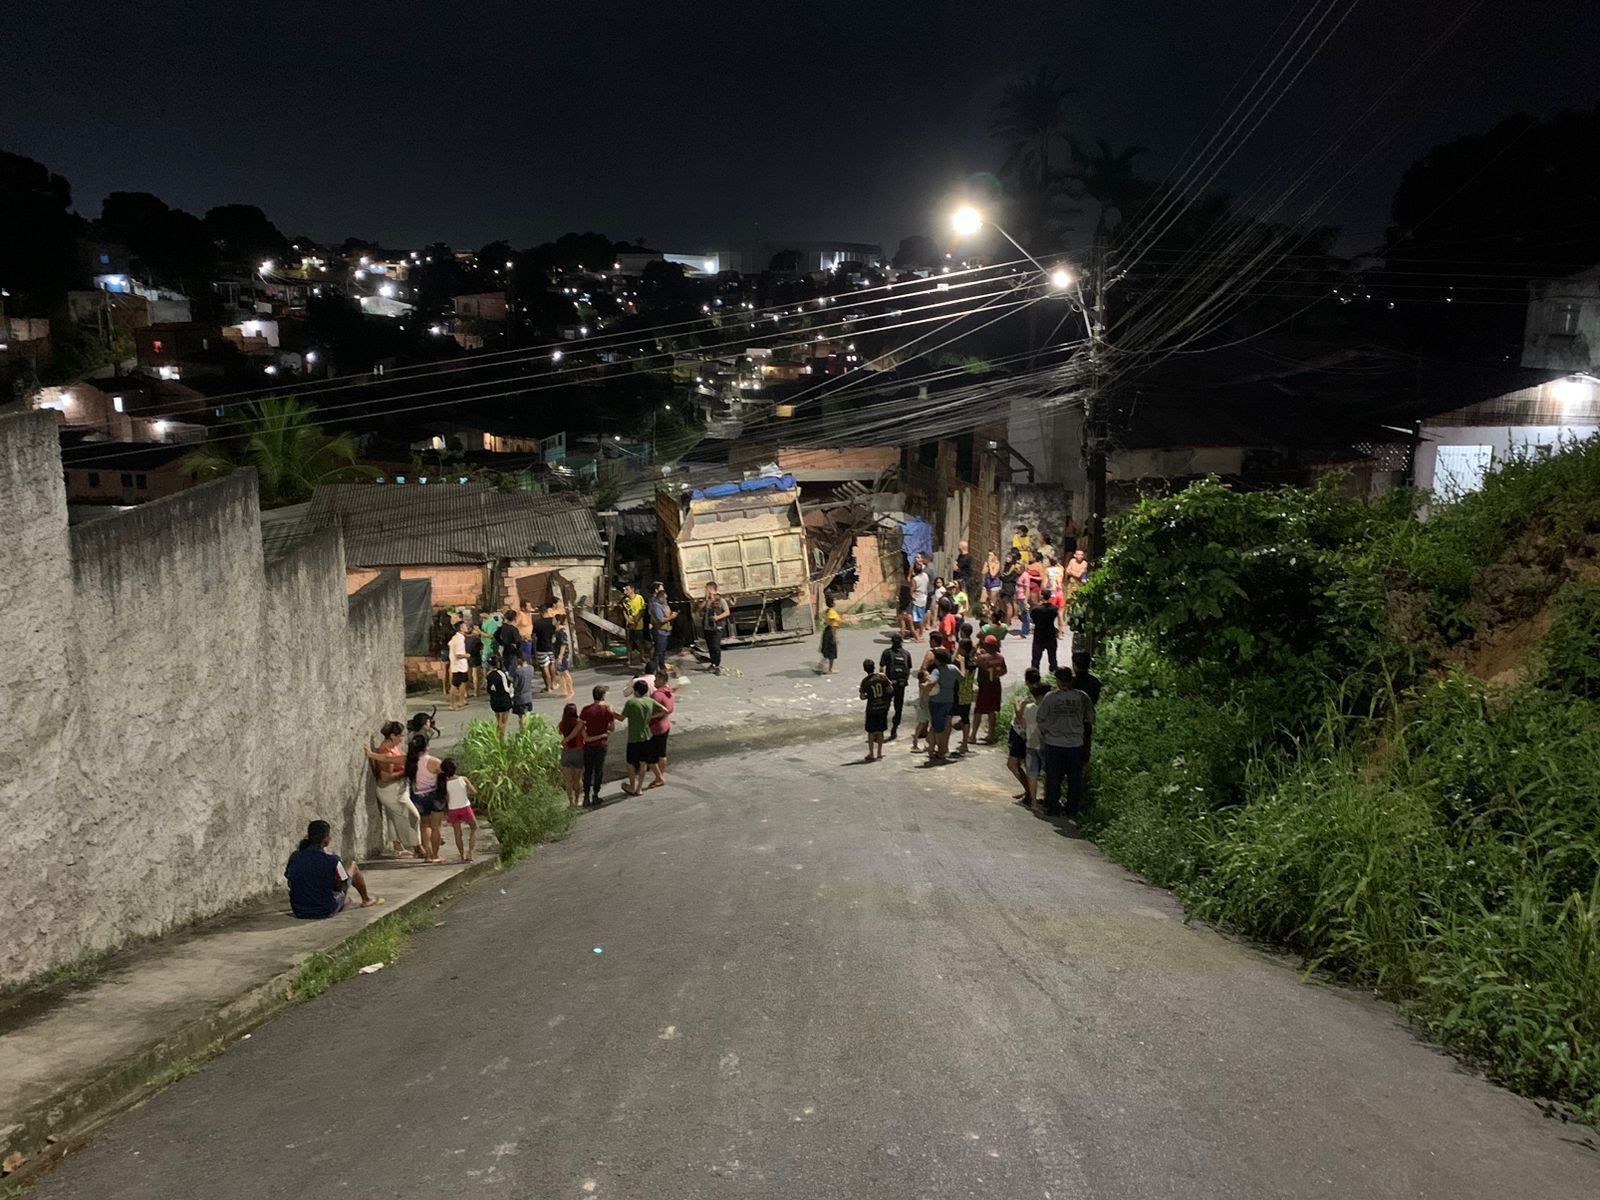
x,y
116,403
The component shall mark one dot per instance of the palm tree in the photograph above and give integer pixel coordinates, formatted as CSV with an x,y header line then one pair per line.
x,y
1109,177
278,436
1031,122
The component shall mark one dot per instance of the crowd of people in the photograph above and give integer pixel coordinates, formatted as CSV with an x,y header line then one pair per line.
x,y
958,681
501,655
955,677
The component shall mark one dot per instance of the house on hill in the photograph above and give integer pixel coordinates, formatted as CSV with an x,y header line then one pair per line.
x,y
459,545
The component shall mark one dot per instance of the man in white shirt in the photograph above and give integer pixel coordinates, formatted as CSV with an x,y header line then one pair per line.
x,y
460,667
919,601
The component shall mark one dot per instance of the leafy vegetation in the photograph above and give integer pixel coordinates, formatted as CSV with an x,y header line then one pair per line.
x,y
279,437
381,942
519,784
1288,739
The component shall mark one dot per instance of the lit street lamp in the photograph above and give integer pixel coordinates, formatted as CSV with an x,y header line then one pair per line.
x,y
966,221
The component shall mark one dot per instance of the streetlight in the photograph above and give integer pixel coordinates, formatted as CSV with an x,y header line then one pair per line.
x,y
966,221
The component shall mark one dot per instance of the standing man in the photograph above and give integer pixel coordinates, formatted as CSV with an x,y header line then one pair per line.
x,y
639,710
1045,632
633,607
508,640
919,598
1082,680
963,571
521,687
544,646
488,627
599,719
460,667
713,624
896,666
1065,719
661,618
875,690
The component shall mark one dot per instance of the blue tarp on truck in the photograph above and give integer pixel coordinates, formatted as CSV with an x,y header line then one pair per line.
x,y
767,483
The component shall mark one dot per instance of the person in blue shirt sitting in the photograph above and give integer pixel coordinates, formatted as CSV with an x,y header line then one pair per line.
x,y
319,883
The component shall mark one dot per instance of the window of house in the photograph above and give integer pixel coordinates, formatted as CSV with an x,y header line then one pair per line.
x,y
105,260
141,482
127,480
1564,319
94,478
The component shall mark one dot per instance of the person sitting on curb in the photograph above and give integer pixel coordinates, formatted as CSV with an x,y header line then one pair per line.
x,y
318,881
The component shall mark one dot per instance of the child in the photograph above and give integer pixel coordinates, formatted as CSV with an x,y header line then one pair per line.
x,y
926,687
1017,755
876,691
830,636
459,794
966,692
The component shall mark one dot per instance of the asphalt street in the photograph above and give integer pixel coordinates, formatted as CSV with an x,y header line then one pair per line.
x,y
793,975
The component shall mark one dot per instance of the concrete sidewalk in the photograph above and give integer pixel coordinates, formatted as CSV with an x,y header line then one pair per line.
x,y
77,1054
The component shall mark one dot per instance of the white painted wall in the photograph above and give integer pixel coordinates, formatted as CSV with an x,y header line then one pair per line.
x,y
1502,441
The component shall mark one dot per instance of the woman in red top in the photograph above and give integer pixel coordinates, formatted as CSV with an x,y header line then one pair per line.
x,y
571,731
597,719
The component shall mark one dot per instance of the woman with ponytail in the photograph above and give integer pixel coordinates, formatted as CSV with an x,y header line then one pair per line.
x,y
422,773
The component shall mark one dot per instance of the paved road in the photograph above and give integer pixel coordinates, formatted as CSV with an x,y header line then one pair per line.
x,y
830,980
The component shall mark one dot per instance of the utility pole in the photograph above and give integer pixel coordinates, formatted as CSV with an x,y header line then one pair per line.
x,y
1094,411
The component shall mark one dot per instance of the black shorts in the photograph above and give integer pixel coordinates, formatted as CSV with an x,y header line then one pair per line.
x,y
877,722
499,708
522,710
639,752
962,712
658,747
458,679
1018,747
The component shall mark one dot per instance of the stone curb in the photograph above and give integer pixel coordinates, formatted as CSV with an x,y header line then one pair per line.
x,y
71,1113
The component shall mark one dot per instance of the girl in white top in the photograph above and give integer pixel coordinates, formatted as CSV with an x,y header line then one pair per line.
x,y
459,794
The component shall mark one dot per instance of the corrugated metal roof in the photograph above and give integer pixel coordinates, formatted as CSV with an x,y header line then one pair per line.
x,y
282,528
404,524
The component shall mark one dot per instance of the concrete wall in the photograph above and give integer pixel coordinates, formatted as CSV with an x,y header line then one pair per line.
x,y
1045,508
179,709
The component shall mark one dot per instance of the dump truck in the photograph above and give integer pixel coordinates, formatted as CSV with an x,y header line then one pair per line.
x,y
749,538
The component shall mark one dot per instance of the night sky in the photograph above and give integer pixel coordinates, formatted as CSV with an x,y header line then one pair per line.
x,y
704,123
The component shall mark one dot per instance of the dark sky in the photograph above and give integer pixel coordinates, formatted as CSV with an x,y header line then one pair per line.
x,y
699,123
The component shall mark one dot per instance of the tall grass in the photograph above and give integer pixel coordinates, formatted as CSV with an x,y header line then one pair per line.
x,y
519,784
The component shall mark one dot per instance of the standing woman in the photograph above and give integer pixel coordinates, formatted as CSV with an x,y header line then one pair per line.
x,y
564,657
1009,575
1054,574
991,581
830,635
571,730
389,769
422,773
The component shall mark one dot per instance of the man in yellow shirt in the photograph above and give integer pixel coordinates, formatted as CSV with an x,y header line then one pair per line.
x,y
1022,544
633,607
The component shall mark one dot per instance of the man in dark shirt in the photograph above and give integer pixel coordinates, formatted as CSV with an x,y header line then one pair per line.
x,y
1043,617
544,647
875,690
896,665
318,881
1082,680
963,571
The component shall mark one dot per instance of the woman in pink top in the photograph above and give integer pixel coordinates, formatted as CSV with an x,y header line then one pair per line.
x,y
422,772
659,728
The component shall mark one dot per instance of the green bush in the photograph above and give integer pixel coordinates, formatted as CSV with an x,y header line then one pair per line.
x,y
1275,742
519,784
1568,660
